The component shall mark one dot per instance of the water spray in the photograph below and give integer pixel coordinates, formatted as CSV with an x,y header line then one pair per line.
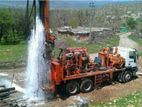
x,y
39,53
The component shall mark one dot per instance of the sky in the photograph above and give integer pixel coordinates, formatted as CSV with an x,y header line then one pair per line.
x,y
75,0
97,0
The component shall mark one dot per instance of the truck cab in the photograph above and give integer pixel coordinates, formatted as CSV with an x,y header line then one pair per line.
x,y
131,57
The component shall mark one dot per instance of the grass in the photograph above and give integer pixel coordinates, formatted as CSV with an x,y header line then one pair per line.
x,y
132,100
140,53
138,40
92,48
13,52
18,52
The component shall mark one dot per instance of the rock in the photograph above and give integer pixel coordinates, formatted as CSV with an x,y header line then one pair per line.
x,y
80,102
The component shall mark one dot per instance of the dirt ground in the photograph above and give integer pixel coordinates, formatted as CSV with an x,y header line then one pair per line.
x,y
103,94
126,42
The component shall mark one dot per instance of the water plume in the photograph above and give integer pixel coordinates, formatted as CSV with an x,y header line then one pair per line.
x,y
38,68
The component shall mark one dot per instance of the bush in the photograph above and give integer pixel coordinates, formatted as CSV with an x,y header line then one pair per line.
x,y
12,25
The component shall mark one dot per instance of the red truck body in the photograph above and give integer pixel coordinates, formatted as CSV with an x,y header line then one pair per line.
x,y
74,67
73,71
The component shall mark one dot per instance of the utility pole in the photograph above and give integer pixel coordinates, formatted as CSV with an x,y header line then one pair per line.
x,y
92,14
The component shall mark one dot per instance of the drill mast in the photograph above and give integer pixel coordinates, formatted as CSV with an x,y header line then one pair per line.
x,y
44,16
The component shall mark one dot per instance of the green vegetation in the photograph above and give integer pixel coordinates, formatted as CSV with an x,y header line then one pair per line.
x,y
18,52
132,100
14,29
112,16
13,52
131,23
13,26
138,40
92,48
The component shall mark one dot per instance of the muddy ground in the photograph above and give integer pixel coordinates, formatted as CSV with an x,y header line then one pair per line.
x,y
103,94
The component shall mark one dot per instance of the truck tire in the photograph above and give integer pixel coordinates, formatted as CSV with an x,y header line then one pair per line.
x,y
119,78
86,85
127,76
72,87
135,70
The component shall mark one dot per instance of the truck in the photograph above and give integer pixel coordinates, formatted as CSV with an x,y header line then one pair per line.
x,y
74,71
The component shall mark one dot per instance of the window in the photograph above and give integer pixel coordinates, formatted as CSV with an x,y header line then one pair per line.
x,y
133,55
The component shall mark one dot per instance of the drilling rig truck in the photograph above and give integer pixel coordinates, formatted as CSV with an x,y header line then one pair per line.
x,y
74,71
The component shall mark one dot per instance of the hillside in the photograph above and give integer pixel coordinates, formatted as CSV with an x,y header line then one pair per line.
x,y
64,3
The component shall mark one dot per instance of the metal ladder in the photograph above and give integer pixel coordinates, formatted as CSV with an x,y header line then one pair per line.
x,y
98,80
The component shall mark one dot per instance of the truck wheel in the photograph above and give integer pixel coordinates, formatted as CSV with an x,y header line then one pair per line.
x,y
86,85
72,87
135,69
127,76
119,78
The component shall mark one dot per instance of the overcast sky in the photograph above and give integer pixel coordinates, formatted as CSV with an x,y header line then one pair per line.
x,y
75,0
95,0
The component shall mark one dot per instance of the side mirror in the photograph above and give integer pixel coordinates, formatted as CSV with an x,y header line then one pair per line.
x,y
137,56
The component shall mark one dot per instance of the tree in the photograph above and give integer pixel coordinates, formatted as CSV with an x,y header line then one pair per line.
x,y
80,17
6,22
12,25
73,23
131,23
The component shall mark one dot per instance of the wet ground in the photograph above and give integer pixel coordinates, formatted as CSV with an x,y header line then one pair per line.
x,y
103,94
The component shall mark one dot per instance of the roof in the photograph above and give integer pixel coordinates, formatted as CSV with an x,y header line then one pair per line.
x,y
65,29
87,30
82,30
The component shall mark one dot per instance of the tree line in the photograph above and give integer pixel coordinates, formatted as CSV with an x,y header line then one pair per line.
x,y
12,25
15,27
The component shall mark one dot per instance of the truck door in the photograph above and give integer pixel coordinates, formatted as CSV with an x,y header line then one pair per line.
x,y
132,59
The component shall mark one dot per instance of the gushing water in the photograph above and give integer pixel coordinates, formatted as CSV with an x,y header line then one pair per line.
x,y
37,67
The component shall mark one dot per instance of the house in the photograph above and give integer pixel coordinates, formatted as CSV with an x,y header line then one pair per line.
x,y
85,33
64,29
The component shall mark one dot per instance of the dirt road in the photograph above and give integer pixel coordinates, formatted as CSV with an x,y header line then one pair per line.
x,y
126,42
